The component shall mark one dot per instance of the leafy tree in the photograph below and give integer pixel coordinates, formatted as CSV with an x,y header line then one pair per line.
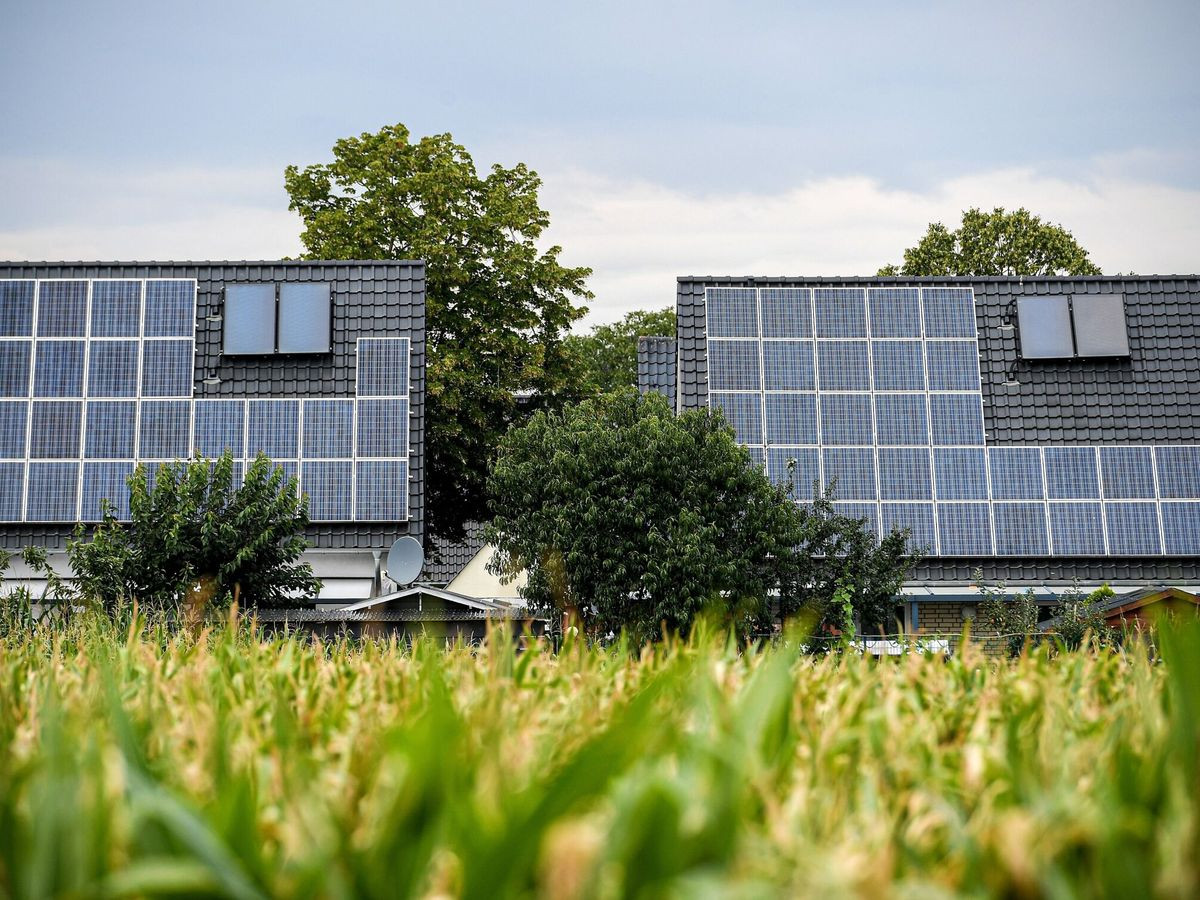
x,y
996,243
607,358
497,308
630,517
193,538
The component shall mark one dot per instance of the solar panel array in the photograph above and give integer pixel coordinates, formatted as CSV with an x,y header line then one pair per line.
x,y
97,376
876,394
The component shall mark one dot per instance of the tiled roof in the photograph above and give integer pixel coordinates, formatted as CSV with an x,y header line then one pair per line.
x,y
447,558
656,366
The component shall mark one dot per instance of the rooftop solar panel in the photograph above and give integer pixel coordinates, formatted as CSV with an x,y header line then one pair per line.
x,y
62,308
785,313
788,366
14,427
15,367
964,529
796,467
52,492
305,318
732,312
58,369
1021,529
109,429
12,491
1133,529
1099,321
840,312
895,312
898,366
112,369
791,419
16,308
843,366
248,322
1077,529
1045,327
116,309
917,518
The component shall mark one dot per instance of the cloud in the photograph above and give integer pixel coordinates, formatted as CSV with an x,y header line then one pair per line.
x,y
638,236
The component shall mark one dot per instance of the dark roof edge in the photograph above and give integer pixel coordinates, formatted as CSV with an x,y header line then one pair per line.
x,y
215,262
925,279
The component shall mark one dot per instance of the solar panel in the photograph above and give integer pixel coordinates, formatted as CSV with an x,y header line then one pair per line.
x,y
850,473
116,309
743,412
165,429
1076,529
105,481
328,429
383,367
895,312
898,366
58,369
1128,473
382,428
109,429
54,429
305,318
274,429
786,313
960,473
949,312
167,368
952,365
112,369
328,485
62,308
734,366
904,474
53,492
846,419
1181,528
1133,529
867,513
964,529
1021,529
220,425
840,312
917,518
12,491
1178,472
956,419
15,359
804,475
1016,473
843,366
901,420
14,427
732,312
16,308
248,320
757,456
1045,326
1099,321
381,491
788,366
1071,473
171,308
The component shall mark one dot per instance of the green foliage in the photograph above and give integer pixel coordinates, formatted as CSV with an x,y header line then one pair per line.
x,y
606,359
1079,617
195,537
496,307
996,243
630,517
140,762
1014,619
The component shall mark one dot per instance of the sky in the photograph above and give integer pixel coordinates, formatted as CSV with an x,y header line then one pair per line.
x,y
672,138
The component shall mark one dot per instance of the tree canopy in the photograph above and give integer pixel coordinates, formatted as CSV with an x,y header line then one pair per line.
x,y
996,243
192,536
497,307
606,359
631,517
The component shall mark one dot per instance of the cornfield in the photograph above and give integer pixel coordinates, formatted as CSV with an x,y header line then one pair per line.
x,y
141,762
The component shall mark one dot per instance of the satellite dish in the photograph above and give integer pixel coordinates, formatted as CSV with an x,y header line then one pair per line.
x,y
405,560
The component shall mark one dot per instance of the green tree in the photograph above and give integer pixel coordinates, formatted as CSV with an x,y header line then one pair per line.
x,y
194,539
606,359
629,517
496,307
996,243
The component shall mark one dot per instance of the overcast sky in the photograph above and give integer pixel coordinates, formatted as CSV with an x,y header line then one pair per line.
x,y
673,138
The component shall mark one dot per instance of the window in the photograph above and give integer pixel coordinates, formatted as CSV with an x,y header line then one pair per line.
x,y
265,319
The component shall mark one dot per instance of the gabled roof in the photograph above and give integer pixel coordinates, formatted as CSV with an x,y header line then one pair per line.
x,y
425,591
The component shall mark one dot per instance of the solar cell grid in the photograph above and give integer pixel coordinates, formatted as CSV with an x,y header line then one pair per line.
x,y
788,366
62,308
58,369
328,485
105,481
1181,527
383,367
964,529
12,491
170,308
1127,472
53,492
901,420
16,308
167,368
116,308
382,428
1178,472
904,474
846,419
164,429
960,473
895,312
109,429
329,429
956,419
1132,528
1021,529
867,513
850,473
949,312
1076,529
1016,473
733,366
381,490
731,312
786,312
898,366
14,427
917,518
840,312
1071,473
803,476
843,366
220,425
112,369
54,429
15,358
274,428
744,413
952,365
